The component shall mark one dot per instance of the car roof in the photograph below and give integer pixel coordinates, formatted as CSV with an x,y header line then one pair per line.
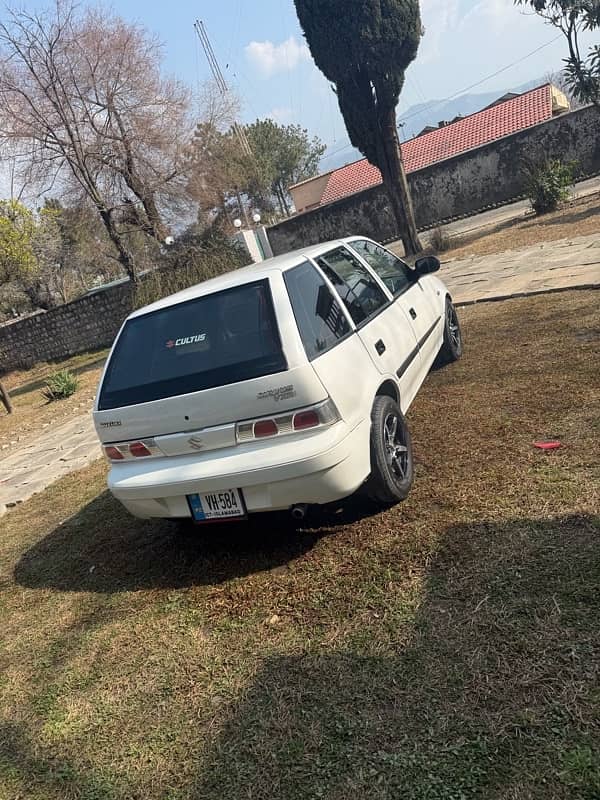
x,y
238,277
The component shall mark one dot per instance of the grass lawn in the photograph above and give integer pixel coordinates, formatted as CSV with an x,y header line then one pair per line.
x,y
579,218
445,648
32,412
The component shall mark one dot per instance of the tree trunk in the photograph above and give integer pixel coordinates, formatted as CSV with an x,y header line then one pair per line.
x,y
396,185
283,199
280,202
5,399
159,231
576,63
126,258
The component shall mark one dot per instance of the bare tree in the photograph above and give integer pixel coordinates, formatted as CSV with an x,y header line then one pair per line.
x,y
216,165
84,95
217,109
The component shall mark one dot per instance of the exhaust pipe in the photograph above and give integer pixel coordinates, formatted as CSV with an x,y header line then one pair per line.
x,y
300,511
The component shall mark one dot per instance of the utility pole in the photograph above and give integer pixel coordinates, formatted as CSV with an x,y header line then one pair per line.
x,y
213,63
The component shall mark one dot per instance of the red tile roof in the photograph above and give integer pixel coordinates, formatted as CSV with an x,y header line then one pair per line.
x,y
475,130
349,179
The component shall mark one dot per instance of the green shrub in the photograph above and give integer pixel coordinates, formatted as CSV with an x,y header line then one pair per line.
x,y
194,258
60,385
440,240
549,184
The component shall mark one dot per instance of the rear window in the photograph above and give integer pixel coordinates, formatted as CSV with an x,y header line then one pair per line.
x,y
320,319
216,340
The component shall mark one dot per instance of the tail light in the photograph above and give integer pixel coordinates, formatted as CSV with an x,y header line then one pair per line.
x,y
139,450
319,416
127,451
306,419
113,453
264,428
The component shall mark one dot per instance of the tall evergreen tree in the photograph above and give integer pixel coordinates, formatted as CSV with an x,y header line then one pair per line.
x,y
364,48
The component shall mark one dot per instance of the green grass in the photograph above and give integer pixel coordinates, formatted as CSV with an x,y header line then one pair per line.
x,y
446,648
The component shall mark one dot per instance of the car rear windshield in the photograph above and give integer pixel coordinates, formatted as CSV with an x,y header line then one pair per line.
x,y
216,340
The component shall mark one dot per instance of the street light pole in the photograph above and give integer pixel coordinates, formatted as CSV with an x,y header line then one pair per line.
x,y
242,207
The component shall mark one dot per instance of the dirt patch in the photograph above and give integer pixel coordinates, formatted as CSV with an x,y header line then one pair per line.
x,y
579,218
32,412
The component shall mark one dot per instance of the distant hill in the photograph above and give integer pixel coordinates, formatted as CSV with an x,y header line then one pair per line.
x,y
432,113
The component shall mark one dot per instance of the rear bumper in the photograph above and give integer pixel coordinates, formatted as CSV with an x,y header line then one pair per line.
x,y
314,469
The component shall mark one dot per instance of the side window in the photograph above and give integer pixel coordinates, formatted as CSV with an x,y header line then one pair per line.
x,y
392,271
320,319
362,296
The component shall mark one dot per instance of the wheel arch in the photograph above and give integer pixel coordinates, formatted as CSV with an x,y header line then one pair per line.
x,y
389,389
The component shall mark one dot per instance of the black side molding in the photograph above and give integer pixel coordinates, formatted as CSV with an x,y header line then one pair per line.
x,y
414,353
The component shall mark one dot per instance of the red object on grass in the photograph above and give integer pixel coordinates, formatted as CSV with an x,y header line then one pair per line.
x,y
547,445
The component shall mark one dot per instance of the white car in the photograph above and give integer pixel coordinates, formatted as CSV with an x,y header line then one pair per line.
x,y
277,386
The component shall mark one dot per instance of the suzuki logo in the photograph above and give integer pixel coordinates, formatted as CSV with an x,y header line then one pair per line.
x,y
196,442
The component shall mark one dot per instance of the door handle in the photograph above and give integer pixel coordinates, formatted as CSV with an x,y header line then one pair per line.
x,y
412,313
380,347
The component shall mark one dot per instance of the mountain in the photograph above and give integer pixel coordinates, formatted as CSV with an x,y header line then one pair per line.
x,y
433,112
417,117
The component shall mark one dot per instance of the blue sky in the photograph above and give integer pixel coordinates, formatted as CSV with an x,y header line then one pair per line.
x,y
264,58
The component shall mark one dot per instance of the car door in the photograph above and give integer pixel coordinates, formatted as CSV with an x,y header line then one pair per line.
x,y
381,326
420,306
336,354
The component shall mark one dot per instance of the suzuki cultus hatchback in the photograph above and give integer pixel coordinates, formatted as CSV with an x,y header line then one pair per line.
x,y
277,386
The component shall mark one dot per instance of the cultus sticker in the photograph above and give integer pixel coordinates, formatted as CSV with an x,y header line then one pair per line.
x,y
199,337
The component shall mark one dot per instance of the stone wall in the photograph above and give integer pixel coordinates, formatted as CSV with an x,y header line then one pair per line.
x,y
89,323
460,186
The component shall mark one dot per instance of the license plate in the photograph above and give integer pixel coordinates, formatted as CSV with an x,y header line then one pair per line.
x,y
227,504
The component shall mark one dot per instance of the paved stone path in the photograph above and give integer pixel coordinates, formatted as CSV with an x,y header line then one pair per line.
x,y
553,266
57,452
564,264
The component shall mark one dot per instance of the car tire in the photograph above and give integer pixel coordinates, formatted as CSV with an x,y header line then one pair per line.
x,y
452,346
392,467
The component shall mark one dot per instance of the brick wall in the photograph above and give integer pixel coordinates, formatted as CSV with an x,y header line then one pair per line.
x,y
88,323
474,181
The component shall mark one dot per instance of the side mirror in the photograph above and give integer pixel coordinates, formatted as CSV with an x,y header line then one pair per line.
x,y
427,265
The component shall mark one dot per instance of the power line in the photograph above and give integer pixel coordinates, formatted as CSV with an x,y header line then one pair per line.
x,y
210,55
436,103
221,82
339,150
483,80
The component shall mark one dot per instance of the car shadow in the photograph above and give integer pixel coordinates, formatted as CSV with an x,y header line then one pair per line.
x,y
488,687
103,549
495,684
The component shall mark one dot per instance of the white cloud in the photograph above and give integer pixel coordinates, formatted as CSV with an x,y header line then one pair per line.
x,y
491,16
271,58
281,114
439,18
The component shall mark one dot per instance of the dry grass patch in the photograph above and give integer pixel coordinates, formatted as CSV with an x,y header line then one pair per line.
x,y
32,412
578,218
446,648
